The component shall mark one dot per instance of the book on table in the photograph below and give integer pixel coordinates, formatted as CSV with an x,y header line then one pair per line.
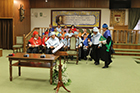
x,y
57,48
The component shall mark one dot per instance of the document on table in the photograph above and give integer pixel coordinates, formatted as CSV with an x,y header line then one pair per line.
x,y
58,47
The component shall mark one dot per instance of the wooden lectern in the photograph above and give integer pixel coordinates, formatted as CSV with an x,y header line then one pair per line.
x,y
60,83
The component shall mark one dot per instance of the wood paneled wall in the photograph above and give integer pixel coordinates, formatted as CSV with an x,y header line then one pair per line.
x,y
10,9
69,4
76,4
135,3
6,8
23,27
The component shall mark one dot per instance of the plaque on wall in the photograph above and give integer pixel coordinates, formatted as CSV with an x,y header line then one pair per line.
x,y
41,14
79,18
36,14
117,17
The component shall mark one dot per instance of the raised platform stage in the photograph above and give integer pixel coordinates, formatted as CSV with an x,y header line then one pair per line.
x,y
127,49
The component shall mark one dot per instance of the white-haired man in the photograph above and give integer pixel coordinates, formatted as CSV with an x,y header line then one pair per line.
x,y
52,43
95,45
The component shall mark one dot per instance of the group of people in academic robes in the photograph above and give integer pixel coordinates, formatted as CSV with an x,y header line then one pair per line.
x,y
95,44
101,46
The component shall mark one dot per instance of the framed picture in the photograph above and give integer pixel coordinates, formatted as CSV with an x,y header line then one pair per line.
x,y
79,18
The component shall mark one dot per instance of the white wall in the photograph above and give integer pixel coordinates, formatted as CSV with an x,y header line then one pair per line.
x,y
46,20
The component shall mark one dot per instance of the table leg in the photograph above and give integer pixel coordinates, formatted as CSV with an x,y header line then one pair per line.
x,y
10,68
19,69
19,50
51,71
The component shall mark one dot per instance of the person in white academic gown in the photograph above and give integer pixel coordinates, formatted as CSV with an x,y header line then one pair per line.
x,y
58,28
61,40
95,46
52,43
66,38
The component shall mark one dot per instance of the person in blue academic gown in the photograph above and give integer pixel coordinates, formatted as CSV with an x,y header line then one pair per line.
x,y
105,50
66,38
85,47
61,40
51,28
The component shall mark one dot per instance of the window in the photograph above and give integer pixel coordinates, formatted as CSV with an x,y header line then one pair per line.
x,y
137,27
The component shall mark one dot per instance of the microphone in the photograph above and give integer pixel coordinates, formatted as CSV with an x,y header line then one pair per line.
x,y
42,56
26,55
12,54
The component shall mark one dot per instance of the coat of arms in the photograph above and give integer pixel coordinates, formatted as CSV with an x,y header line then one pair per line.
x,y
117,18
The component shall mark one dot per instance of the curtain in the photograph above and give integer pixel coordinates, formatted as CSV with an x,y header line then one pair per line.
x,y
134,16
6,33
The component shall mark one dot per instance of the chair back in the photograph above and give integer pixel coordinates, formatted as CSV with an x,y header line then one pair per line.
x,y
19,40
72,43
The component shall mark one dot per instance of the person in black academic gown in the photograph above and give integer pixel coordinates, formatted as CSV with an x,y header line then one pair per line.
x,y
105,50
95,46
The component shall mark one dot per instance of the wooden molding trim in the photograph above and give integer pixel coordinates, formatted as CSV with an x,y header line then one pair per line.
x,y
6,17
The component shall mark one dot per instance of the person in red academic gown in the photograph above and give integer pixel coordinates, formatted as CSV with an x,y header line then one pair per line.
x,y
34,43
45,38
73,28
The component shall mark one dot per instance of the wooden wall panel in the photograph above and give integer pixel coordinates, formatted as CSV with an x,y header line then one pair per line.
x,y
102,4
69,4
76,4
92,3
80,4
9,9
135,3
23,27
6,8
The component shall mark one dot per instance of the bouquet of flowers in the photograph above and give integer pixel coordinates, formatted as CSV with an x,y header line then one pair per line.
x,y
65,78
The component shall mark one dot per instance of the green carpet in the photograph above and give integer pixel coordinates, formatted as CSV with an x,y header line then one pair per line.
x,y
123,76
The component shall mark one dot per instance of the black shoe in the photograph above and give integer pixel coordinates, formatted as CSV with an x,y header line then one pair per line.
x,y
79,59
105,67
97,63
90,59
85,58
72,58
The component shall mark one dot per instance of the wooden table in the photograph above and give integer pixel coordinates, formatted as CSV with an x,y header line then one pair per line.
x,y
0,52
32,58
60,83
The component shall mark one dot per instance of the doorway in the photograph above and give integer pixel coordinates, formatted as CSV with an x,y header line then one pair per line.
x,y
6,33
